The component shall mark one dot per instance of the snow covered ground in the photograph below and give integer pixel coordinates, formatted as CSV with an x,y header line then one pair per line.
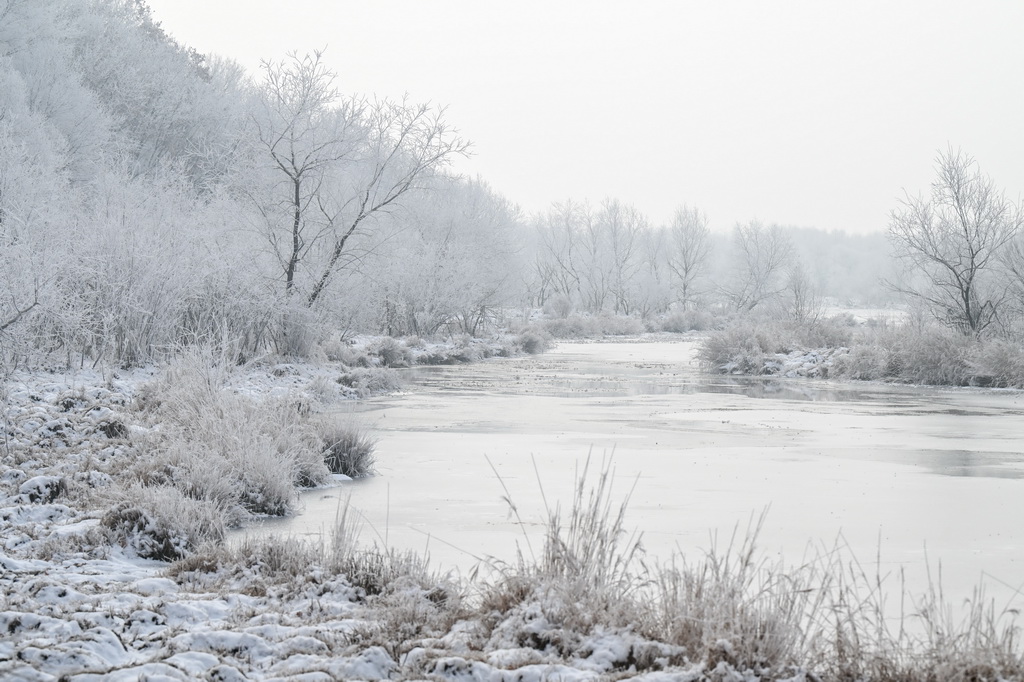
x,y
78,606
121,619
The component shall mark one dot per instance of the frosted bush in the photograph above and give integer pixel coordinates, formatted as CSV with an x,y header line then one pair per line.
x,y
371,381
162,523
998,362
533,342
391,353
244,455
681,321
348,449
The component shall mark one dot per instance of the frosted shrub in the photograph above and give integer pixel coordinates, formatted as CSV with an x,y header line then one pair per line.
x,y
751,345
533,342
195,475
265,472
247,456
228,313
298,332
347,448
682,321
581,326
863,363
824,333
412,342
391,353
923,353
558,306
371,381
162,523
936,356
929,355
742,347
347,355
998,362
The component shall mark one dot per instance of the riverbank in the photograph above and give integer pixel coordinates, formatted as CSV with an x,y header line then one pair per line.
x,y
584,603
839,348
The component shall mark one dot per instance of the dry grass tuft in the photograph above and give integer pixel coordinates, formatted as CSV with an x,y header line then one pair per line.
x,y
348,448
162,523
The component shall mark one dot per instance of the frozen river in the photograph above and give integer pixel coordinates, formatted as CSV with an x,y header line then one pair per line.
x,y
899,473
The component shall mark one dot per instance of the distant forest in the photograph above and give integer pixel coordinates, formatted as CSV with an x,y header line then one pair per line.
x,y
153,197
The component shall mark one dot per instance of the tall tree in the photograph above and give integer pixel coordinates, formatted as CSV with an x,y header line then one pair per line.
x,y
305,132
623,227
760,258
952,240
688,249
558,247
340,162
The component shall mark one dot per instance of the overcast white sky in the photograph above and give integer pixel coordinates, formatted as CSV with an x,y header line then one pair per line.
x,y
806,113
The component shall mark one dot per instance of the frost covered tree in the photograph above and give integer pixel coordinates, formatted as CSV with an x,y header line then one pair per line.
x,y
803,301
760,258
651,289
558,253
952,241
453,262
597,260
339,163
623,228
592,263
689,245
170,109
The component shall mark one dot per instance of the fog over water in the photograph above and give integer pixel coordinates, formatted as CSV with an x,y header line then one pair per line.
x,y
896,472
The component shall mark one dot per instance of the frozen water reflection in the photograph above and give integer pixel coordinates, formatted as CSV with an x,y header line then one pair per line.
x,y
897,471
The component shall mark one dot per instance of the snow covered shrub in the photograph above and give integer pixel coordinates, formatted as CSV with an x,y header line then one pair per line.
x,y
340,351
864,362
740,347
391,353
348,449
583,326
246,454
179,465
467,350
753,344
533,341
997,362
823,333
371,381
934,355
298,332
559,306
163,523
681,321
324,390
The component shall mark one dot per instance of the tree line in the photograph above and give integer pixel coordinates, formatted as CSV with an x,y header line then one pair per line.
x,y
151,196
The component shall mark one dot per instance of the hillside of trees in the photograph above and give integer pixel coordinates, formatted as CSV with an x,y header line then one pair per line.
x,y
152,197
